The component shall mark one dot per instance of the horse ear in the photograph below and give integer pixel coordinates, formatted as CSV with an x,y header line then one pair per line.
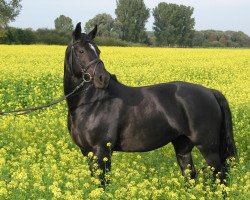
x,y
77,32
92,33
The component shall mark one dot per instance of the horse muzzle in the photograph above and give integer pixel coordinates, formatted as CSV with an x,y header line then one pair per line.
x,y
101,80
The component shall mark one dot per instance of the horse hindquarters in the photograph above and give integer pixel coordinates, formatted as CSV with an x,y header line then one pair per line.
x,y
204,117
226,145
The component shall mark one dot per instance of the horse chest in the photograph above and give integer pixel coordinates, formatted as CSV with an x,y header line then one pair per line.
x,y
78,132
89,130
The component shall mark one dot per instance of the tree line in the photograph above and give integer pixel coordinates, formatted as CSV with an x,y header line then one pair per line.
x,y
173,26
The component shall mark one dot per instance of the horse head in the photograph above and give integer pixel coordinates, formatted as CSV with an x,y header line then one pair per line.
x,y
84,58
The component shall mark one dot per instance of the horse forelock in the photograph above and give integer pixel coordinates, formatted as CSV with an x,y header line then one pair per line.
x,y
84,38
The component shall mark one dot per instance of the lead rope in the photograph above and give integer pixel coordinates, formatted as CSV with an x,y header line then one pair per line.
x,y
32,109
86,79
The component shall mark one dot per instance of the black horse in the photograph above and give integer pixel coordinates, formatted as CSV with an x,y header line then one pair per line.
x,y
139,119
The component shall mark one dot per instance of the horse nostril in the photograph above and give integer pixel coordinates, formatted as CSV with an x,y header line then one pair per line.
x,y
101,78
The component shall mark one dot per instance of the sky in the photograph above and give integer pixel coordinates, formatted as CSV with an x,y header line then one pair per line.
x,y
209,14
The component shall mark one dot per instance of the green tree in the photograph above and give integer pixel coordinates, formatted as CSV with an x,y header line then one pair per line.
x,y
9,10
107,26
173,24
132,16
198,39
242,39
64,24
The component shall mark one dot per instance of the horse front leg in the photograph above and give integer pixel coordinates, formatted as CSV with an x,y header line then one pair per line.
x,y
99,160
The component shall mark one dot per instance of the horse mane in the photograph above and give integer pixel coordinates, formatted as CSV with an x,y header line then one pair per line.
x,y
113,76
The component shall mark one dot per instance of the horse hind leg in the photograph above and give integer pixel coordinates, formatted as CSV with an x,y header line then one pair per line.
x,y
211,154
183,147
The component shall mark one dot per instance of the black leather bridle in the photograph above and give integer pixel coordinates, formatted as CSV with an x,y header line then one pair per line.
x,y
84,67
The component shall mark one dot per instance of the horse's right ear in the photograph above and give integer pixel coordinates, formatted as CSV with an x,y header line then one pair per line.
x,y
77,32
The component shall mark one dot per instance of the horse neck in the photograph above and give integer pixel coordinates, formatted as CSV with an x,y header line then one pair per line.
x,y
85,96
123,92
92,95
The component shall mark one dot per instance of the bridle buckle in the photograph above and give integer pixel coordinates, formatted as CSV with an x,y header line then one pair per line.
x,y
87,77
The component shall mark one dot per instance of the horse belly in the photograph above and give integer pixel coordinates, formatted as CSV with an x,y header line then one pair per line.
x,y
146,135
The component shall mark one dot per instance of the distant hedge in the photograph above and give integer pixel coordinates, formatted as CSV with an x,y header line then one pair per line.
x,y
214,38
108,41
207,38
28,36
48,36
17,36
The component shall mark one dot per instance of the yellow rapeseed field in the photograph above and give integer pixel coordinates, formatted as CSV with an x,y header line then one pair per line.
x,y
38,159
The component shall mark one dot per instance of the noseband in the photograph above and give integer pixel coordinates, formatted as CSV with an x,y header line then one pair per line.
x,y
84,67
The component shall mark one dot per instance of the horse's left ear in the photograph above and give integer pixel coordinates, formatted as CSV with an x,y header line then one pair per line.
x,y
92,33
77,32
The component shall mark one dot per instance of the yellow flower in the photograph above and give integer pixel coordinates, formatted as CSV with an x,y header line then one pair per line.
x,y
86,185
3,192
96,193
192,196
90,154
69,185
109,144
155,180
105,159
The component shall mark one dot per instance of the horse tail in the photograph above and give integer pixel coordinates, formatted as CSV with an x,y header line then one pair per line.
x,y
227,144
